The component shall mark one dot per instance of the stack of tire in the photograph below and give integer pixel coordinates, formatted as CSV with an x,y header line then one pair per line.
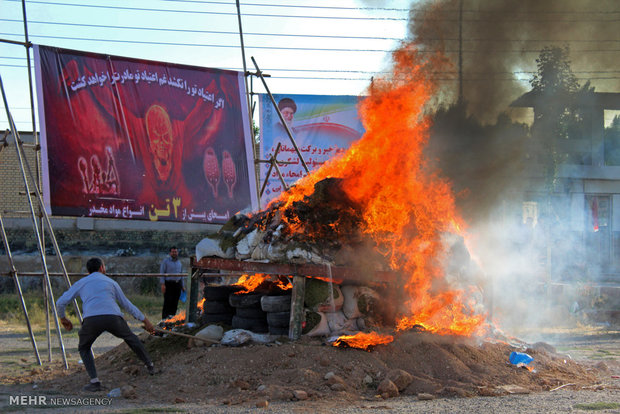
x,y
278,311
216,308
248,312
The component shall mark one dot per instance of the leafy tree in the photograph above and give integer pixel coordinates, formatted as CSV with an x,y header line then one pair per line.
x,y
557,113
612,142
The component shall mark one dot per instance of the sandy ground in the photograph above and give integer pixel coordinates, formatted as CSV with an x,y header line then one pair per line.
x,y
227,380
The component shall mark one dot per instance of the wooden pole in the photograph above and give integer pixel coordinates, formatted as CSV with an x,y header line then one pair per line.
x,y
192,296
210,341
297,307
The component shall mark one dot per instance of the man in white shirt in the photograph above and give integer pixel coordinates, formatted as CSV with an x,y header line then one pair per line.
x,y
100,298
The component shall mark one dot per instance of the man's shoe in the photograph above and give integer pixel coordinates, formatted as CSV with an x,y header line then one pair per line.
x,y
151,369
93,387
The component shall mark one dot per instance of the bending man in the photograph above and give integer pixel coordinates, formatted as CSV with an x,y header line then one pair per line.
x,y
100,298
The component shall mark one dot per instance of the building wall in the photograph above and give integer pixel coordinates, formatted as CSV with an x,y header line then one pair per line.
x,y
11,179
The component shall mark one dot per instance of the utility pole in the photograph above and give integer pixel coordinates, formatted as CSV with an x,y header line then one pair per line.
x,y
460,51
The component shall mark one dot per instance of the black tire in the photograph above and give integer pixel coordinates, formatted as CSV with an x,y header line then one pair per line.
x,y
219,293
254,325
212,306
276,303
275,330
225,318
247,300
250,313
278,319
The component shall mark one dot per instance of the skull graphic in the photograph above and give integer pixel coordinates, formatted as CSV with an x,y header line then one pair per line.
x,y
161,140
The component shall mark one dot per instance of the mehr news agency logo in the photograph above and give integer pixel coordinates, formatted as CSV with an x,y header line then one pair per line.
x,y
44,400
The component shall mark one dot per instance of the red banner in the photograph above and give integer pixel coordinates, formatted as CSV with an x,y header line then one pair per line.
x,y
135,139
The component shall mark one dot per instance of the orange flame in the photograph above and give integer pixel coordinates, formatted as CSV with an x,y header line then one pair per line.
x,y
201,304
363,340
405,205
176,318
252,282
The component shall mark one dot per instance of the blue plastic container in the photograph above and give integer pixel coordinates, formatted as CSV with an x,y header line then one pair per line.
x,y
116,392
517,358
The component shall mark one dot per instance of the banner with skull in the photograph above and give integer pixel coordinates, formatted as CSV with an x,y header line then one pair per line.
x,y
135,139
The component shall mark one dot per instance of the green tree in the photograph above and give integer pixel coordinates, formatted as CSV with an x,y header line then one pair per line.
x,y
612,142
557,114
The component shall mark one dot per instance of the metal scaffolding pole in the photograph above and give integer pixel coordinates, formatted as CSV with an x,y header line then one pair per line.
x,y
27,46
288,131
18,286
248,95
20,157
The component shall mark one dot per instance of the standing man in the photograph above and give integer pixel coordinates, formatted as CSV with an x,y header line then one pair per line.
x,y
171,286
100,298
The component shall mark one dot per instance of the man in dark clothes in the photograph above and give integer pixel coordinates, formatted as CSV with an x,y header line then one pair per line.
x,y
171,286
100,299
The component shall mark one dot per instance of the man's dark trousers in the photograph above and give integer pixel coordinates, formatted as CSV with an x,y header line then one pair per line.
x,y
171,298
93,326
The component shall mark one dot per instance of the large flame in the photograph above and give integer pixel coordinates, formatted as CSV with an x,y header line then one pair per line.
x,y
405,205
363,340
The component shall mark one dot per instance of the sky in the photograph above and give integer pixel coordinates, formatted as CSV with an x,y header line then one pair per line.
x,y
290,40
322,46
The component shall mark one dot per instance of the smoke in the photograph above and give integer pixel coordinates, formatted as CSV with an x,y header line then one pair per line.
x,y
501,40
535,272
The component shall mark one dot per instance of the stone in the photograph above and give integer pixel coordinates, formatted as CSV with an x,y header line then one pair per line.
x,y
300,395
423,396
333,379
337,387
310,375
211,332
387,387
262,404
275,392
514,389
400,378
128,392
487,392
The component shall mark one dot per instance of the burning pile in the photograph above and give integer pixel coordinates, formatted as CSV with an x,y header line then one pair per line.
x,y
173,322
378,206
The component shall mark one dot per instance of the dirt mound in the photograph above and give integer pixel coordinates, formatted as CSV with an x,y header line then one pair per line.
x,y
416,362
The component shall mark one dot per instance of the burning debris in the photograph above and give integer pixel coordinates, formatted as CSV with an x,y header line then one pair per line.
x,y
380,206
322,228
362,340
173,322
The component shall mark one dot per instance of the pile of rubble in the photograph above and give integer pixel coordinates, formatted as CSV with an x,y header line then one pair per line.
x,y
323,228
